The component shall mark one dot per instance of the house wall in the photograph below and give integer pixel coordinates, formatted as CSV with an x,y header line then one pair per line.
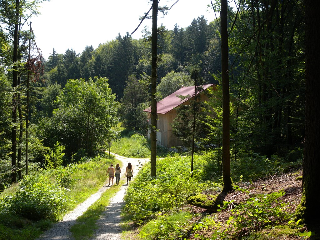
x,y
165,136
168,139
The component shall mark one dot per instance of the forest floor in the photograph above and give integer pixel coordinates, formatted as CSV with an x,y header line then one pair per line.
x,y
289,183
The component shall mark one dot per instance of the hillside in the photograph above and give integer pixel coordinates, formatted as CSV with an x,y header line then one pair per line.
x,y
262,209
289,183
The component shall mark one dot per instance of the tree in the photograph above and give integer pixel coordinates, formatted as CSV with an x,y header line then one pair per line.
x,y
86,63
134,101
266,75
153,133
13,14
172,82
311,162
84,119
122,64
226,98
190,125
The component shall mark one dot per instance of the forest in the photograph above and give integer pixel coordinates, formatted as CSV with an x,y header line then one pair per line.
x,y
60,116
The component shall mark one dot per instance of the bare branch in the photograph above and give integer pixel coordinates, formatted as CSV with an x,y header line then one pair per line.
x,y
145,16
174,4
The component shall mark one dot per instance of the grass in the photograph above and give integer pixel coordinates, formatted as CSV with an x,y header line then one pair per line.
x,y
87,223
133,146
158,208
136,146
79,181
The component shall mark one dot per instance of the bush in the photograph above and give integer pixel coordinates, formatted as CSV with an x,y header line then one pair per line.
x,y
134,146
38,198
148,196
168,226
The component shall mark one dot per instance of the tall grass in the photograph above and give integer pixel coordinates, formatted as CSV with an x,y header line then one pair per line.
x,y
136,146
146,196
160,205
44,197
133,146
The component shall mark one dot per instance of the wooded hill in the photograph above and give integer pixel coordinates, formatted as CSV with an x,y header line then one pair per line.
x,y
70,110
266,73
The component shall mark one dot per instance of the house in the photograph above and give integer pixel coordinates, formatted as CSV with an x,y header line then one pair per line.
x,y
167,111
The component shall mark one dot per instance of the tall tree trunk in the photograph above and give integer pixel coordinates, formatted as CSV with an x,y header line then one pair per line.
x,y
28,103
19,159
14,98
153,134
311,163
226,105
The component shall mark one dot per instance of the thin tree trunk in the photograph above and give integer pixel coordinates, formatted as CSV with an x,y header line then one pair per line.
x,y
193,125
226,105
19,159
153,134
14,98
27,110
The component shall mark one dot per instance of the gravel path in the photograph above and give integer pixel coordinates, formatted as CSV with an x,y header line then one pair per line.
x,y
109,223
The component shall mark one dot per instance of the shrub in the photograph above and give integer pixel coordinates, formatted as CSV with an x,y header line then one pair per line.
x,y
147,196
38,198
134,146
167,226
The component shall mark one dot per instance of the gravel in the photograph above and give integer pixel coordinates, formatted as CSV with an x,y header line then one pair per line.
x,y
109,223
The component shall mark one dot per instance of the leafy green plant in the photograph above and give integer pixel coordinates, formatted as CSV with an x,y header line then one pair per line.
x,y
64,177
167,226
134,146
258,212
147,196
55,156
48,188
38,198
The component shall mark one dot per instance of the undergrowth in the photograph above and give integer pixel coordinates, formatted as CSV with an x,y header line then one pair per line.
x,y
158,207
136,146
44,197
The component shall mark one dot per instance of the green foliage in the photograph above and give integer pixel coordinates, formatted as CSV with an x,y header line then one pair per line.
x,y
148,196
48,101
246,166
43,198
202,200
55,157
250,218
172,82
64,176
134,146
85,117
38,198
167,226
133,103
259,212
268,89
4,127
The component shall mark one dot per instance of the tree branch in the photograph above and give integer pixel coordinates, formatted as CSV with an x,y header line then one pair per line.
x,y
144,17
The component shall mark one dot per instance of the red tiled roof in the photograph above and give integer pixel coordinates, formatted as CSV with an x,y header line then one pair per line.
x,y
174,100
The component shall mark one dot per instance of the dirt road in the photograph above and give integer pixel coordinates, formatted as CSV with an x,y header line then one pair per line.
x,y
109,222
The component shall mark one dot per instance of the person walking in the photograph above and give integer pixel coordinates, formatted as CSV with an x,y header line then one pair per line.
x,y
129,172
111,173
117,173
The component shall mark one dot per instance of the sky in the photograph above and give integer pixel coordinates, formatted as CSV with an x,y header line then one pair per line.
x,y
75,24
